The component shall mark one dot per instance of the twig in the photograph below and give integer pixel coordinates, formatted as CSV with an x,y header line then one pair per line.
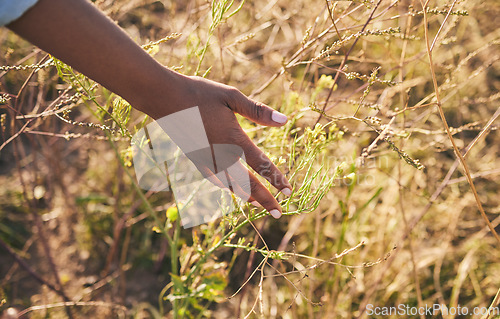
x,y
122,222
251,258
448,132
39,225
382,135
15,135
293,60
72,304
445,182
17,106
483,131
346,56
494,303
26,267
442,25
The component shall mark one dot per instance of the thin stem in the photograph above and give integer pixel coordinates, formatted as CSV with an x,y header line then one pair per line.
x,y
447,128
26,267
346,57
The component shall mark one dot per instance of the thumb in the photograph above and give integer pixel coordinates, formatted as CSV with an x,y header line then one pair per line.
x,y
256,111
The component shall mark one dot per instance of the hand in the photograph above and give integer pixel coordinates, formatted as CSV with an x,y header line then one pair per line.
x,y
217,137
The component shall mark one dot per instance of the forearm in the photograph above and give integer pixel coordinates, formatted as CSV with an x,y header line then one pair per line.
x,y
77,33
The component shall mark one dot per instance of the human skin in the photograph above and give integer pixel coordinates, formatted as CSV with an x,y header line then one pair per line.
x,y
77,33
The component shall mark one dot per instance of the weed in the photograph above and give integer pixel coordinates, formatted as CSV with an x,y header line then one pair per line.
x,y
385,99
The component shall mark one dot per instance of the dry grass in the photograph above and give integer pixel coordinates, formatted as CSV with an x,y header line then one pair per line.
x,y
82,234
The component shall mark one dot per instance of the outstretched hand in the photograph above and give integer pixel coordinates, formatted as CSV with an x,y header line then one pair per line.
x,y
217,105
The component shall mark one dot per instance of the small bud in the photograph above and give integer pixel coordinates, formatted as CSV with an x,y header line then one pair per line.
x,y
156,229
172,213
350,178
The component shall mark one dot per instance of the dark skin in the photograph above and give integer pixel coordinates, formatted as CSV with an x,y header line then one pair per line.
x,y
77,33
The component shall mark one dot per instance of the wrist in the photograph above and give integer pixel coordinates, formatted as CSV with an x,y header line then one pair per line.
x,y
159,94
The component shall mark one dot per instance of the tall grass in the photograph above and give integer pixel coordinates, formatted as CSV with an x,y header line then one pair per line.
x,y
391,147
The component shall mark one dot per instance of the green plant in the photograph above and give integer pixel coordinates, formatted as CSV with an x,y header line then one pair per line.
x,y
380,214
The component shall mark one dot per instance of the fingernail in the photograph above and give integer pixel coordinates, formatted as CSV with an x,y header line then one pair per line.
x,y
256,203
286,191
275,213
279,117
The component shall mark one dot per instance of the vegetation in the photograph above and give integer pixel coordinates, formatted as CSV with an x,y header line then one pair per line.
x,y
392,148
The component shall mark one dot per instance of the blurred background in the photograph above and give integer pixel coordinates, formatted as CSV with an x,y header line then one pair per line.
x,y
382,213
